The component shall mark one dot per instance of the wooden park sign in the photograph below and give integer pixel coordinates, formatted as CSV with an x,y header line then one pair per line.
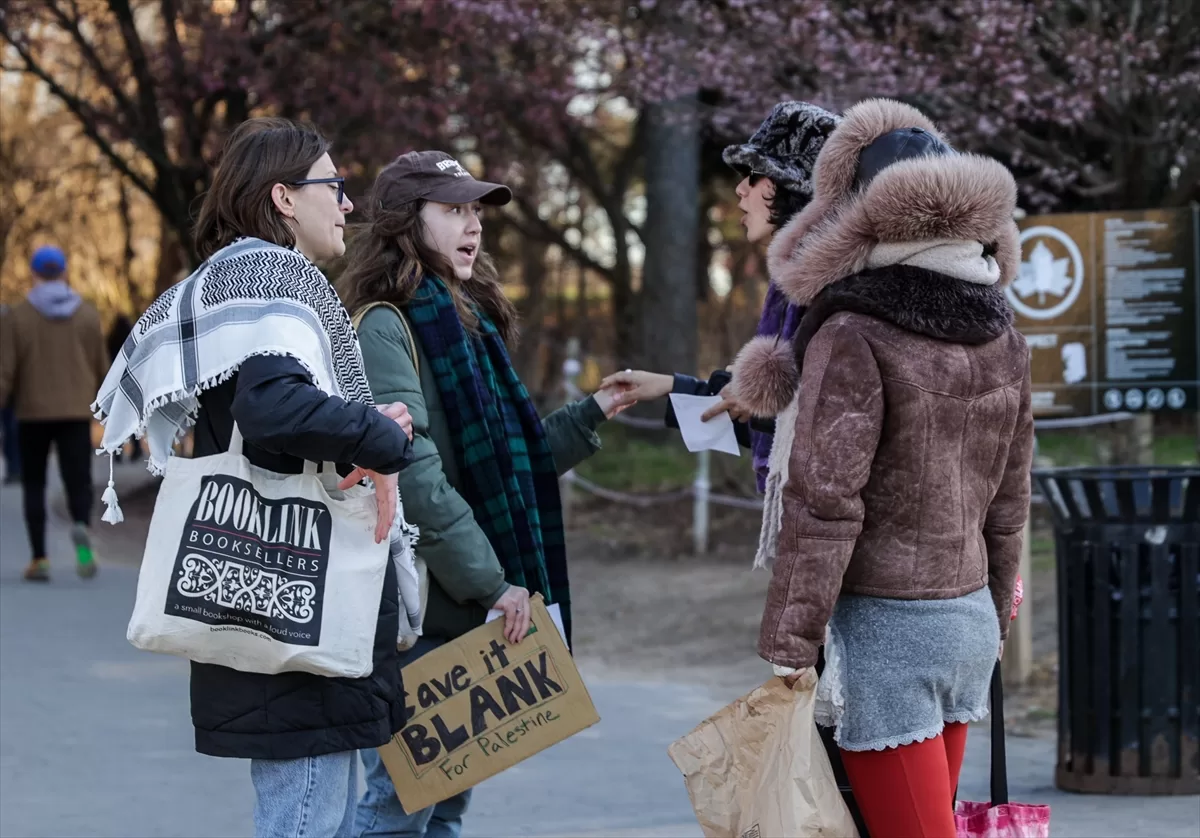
x,y
1108,304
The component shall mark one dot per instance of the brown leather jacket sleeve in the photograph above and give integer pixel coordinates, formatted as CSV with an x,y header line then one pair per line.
x,y
1004,527
837,432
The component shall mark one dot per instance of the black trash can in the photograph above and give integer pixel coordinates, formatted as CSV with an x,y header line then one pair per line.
x,y
1127,543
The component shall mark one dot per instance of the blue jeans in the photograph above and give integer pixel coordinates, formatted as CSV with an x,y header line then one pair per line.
x,y
312,797
380,813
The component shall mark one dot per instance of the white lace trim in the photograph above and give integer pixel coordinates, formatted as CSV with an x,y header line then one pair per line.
x,y
830,701
911,738
893,741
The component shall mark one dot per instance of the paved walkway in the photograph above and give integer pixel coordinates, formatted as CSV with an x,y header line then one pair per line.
x,y
95,738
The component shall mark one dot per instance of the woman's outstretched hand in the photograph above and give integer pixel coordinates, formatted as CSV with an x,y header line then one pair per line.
x,y
612,400
638,386
632,386
385,497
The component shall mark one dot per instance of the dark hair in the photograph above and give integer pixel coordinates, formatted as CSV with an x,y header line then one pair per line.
x,y
786,204
259,153
390,258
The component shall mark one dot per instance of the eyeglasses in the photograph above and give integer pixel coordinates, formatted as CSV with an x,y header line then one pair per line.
x,y
340,181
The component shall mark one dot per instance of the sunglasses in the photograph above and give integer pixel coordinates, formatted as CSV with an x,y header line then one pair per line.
x,y
755,177
340,181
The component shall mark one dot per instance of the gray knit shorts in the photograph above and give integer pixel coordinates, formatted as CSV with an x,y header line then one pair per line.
x,y
898,671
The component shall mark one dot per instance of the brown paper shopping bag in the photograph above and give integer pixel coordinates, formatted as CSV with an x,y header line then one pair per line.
x,y
758,769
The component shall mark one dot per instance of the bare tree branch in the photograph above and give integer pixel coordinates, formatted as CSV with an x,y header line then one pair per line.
x,y
192,132
155,144
74,28
82,112
534,226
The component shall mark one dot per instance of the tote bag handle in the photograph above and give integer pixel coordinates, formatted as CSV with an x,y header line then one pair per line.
x,y
310,467
999,754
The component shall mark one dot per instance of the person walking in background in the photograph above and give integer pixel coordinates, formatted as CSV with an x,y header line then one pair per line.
x,y
776,166
273,353
8,428
899,482
436,329
122,328
52,361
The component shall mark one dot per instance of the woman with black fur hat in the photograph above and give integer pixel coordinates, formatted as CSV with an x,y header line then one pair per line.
x,y
776,166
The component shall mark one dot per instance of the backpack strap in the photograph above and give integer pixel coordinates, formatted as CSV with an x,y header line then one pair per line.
x,y
357,318
404,640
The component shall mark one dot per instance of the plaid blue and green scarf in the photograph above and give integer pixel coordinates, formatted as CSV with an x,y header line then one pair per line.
x,y
509,477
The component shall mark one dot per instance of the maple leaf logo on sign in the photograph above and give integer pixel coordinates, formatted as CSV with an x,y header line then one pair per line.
x,y
1042,274
1048,283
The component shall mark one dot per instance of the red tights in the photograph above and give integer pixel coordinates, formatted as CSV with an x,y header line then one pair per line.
x,y
908,792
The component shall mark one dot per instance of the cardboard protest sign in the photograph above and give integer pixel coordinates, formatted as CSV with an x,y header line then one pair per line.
x,y
479,705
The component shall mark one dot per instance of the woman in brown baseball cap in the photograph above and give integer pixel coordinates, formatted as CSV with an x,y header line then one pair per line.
x,y
435,328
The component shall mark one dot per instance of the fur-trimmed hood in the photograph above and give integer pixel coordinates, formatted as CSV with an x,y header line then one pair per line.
x,y
954,196
837,165
960,197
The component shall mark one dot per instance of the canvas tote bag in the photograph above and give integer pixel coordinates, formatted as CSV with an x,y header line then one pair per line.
x,y
258,571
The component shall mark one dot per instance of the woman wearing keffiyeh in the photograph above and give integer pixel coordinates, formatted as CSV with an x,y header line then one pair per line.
x,y
256,341
776,166
435,329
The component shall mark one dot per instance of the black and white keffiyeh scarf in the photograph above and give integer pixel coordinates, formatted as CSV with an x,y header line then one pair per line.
x,y
249,298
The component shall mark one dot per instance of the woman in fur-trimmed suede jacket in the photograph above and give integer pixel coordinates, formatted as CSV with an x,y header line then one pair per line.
x,y
899,479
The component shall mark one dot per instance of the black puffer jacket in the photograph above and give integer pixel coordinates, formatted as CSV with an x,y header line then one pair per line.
x,y
284,420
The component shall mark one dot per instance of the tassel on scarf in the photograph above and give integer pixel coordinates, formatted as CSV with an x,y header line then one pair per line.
x,y
112,511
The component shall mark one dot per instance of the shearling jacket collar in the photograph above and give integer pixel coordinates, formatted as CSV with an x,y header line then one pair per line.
x,y
914,299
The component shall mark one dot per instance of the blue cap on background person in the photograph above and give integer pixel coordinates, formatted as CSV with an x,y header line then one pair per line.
x,y
49,262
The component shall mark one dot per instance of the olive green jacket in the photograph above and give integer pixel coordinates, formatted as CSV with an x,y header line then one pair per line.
x,y
465,577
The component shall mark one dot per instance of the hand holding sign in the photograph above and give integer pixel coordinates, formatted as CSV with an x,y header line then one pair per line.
x,y
515,605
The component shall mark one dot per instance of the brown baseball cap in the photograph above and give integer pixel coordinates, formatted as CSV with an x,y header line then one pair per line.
x,y
436,176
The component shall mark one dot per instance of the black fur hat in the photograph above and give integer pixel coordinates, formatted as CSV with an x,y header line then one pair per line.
x,y
786,145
